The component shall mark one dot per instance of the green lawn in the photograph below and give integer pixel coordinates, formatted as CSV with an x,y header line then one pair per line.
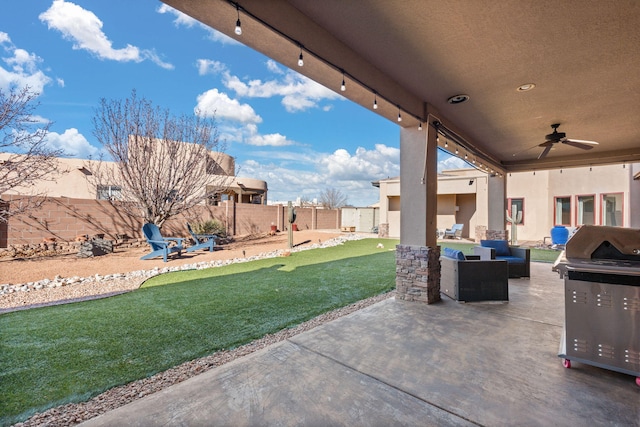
x,y
69,353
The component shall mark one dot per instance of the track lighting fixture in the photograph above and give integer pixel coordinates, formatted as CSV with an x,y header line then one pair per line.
x,y
238,25
343,86
399,116
375,101
300,59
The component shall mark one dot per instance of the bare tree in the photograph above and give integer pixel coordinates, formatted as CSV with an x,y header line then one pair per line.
x,y
164,164
332,198
25,157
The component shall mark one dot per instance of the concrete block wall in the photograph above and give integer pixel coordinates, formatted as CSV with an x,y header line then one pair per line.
x,y
64,219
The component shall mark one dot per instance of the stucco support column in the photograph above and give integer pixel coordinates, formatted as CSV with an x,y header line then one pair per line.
x,y
417,255
497,190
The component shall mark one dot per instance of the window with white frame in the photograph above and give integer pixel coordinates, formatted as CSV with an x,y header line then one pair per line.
x,y
562,211
108,192
586,210
611,209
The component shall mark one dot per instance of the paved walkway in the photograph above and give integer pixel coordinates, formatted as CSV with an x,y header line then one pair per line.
x,y
399,363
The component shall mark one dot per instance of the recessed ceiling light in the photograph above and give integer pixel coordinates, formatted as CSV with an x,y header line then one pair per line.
x,y
525,87
458,99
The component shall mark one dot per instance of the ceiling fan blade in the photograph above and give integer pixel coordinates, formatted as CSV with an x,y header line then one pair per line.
x,y
546,150
524,151
585,145
582,141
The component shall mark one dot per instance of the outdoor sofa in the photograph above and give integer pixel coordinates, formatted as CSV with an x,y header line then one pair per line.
x,y
517,258
468,278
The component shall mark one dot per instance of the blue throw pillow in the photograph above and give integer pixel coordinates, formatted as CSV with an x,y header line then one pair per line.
x,y
501,246
453,253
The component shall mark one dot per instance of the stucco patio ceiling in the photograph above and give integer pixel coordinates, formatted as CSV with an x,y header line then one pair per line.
x,y
582,56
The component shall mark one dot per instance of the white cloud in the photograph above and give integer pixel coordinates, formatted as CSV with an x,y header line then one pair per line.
x,y
184,20
207,66
298,92
273,140
181,19
72,143
84,29
368,165
447,162
273,67
297,174
23,68
219,104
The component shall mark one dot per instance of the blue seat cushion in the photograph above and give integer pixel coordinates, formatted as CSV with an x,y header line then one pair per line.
x,y
453,253
511,259
501,246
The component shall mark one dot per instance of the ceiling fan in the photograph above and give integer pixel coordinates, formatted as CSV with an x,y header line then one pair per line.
x,y
555,137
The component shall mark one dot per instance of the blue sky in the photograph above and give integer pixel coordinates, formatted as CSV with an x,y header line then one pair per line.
x,y
281,127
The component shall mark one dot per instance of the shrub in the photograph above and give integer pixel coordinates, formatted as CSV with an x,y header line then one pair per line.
x,y
211,226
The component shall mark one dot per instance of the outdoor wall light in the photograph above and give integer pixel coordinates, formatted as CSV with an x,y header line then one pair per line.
x,y
300,59
343,86
375,101
399,116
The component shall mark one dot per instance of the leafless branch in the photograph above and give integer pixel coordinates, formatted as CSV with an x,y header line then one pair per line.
x,y
164,164
26,158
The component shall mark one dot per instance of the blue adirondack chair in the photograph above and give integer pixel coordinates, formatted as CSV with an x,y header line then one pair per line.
x,y
160,245
455,232
202,241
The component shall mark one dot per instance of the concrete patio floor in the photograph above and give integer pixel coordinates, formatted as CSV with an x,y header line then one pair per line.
x,y
401,363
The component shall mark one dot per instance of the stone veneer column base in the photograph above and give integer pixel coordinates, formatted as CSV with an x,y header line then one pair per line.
x,y
383,230
418,273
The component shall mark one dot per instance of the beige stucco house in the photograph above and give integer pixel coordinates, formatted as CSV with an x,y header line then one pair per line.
x,y
72,180
597,195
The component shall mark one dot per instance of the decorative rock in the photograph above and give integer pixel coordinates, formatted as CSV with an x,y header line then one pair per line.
x,y
59,281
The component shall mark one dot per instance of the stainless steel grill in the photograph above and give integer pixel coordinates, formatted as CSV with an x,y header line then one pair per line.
x,y
601,271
